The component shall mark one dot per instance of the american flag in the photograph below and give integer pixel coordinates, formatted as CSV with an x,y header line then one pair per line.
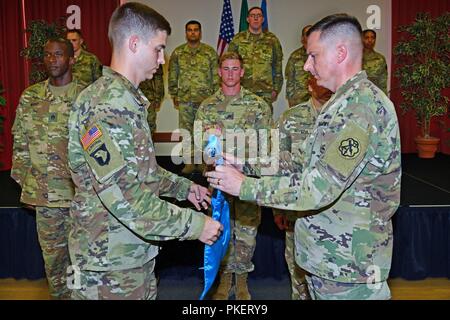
x,y
226,28
90,136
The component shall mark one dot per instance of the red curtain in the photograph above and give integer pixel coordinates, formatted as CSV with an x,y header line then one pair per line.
x,y
404,12
13,73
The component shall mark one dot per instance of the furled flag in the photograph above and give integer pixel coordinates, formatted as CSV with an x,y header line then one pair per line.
x,y
243,24
226,28
214,253
265,25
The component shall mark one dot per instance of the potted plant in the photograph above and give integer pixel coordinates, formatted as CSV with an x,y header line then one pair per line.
x,y
424,73
40,31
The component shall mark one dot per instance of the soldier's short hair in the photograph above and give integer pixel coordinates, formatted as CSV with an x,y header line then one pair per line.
x,y
231,56
305,28
67,43
253,8
370,30
77,31
339,25
135,18
193,22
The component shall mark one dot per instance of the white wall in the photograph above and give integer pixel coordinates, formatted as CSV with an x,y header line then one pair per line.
x,y
286,18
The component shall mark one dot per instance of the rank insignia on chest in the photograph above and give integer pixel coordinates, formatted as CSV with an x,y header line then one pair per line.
x,y
90,137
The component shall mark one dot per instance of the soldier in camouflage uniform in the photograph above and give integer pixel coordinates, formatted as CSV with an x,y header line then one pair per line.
x,y
296,77
295,125
153,90
117,213
262,56
374,62
231,111
192,78
351,177
87,67
40,158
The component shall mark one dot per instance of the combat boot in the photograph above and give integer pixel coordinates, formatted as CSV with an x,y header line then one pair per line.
x,y
241,287
224,288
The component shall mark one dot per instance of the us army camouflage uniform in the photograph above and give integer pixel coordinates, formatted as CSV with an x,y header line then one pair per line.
x,y
235,115
294,125
192,78
297,78
352,178
116,212
87,68
263,59
153,90
40,168
376,68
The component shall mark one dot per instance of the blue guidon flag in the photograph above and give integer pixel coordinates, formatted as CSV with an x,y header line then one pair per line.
x,y
220,212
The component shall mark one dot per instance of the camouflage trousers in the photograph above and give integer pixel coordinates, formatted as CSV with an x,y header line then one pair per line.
x,y
53,230
298,281
151,115
130,284
324,289
245,218
186,118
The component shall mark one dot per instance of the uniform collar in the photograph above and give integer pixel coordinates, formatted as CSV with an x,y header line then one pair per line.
x,y
137,94
361,75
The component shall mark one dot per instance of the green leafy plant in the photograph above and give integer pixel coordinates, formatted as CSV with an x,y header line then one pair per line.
x,y
40,31
424,67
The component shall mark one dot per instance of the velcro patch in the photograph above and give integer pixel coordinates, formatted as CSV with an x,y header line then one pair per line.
x,y
103,155
344,153
90,136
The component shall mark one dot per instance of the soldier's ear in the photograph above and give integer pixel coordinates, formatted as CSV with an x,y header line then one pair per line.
x,y
342,53
133,42
71,61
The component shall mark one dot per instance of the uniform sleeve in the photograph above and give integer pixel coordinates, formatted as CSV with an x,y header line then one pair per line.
x,y
172,185
214,71
290,78
21,161
383,76
277,66
322,184
173,75
116,179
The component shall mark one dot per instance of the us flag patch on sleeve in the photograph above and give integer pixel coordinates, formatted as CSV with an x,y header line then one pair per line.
x,y
90,136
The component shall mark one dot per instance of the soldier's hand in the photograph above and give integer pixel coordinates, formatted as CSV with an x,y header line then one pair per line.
x,y
227,179
233,161
199,196
211,231
281,221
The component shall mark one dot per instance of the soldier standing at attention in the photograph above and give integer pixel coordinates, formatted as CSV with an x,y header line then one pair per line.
x,y
374,62
192,78
351,177
40,158
262,56
87,67
233,110
153,90
297,78
116,213
295,125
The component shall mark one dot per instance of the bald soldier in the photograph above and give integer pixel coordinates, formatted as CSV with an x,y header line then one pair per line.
x,y
117,213
351,178
40,158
